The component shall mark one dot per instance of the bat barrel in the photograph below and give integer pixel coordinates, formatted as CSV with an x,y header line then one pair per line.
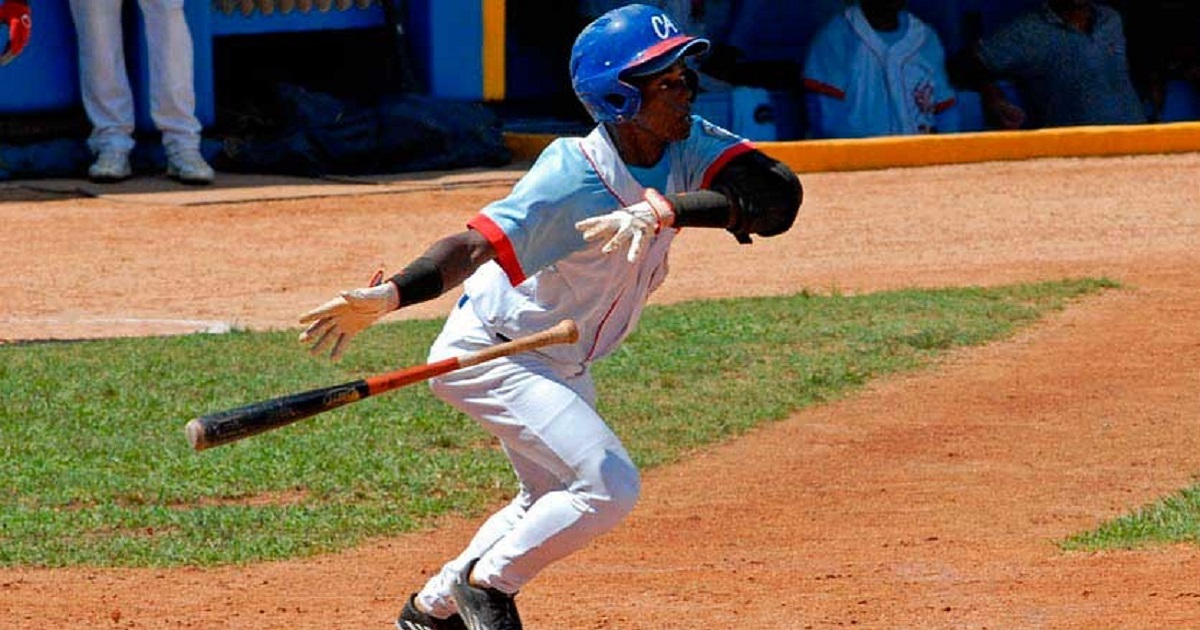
x,y
231,425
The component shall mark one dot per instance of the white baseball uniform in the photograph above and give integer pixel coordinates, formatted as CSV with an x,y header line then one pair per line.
x,y
863,83
577,480
106,94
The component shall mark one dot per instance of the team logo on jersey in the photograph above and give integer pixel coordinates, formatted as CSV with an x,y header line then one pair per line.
x,y
663,26
923,97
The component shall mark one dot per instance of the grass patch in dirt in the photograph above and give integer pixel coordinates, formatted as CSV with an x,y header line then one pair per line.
x,y
1172,519
97,470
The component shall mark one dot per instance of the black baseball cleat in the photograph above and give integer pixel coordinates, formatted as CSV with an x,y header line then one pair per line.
x,y
484,608
412,619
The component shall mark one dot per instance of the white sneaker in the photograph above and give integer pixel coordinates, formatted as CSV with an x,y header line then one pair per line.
x,y
112,165
189,167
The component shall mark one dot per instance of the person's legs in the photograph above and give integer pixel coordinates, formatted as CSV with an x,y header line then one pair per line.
x,y
435,596
104,85
173,89
577,481
597,486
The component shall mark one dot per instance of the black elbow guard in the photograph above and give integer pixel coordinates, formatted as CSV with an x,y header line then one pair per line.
x,y
704,208
765,195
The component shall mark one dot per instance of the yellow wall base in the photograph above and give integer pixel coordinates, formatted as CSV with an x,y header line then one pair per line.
x,y
810,156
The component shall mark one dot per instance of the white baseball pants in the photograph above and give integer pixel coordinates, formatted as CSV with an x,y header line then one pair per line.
x,y
576,479
107,97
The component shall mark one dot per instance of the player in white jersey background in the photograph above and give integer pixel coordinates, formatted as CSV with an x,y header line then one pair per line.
x,y
583,235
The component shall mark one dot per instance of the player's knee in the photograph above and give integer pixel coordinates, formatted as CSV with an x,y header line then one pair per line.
x,y
619,488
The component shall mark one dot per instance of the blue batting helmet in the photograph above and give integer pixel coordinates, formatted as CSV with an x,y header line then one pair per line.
x,y
633,40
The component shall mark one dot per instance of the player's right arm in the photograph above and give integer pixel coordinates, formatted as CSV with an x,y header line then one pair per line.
x,y
445,265
519,232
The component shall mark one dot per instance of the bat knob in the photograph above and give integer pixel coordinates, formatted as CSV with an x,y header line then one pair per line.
x,y
195,435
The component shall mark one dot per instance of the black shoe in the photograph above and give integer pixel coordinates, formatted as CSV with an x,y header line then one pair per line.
x,y
412,619
484,608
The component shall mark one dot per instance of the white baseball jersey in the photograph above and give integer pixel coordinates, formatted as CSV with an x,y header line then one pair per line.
x,y
545,271
862,83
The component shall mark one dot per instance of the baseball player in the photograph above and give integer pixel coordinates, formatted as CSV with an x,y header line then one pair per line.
x,y
583,235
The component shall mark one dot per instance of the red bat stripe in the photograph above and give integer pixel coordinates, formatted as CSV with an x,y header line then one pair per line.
x,y
400,378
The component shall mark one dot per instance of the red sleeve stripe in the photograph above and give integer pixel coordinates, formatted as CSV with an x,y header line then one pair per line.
x,y
505,255
944,105
812,85
730,153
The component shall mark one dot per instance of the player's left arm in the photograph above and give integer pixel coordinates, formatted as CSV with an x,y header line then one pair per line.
x,y
751,194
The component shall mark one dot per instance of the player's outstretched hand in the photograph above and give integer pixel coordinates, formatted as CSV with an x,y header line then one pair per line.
x,y
630,226
340,319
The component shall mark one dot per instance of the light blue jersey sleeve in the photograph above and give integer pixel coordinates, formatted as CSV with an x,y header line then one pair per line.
x,y
706,151
534,226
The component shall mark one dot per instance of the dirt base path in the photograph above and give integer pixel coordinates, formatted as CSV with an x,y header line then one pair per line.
x,y
932,500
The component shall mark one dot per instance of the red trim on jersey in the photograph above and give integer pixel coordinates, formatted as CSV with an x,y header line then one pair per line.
x,y
505,254
600,327
813,85
944,105
603,182
738,149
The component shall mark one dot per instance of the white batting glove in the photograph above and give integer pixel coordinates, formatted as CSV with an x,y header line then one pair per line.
x,y
630,226
340,319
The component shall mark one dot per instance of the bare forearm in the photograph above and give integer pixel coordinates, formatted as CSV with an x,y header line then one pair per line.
x,y
445,265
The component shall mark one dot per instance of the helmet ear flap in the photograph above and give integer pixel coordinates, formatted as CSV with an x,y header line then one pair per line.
x,y
625,100
609,101
617,101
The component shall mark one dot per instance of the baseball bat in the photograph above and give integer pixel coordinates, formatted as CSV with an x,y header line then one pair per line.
x,y
231,425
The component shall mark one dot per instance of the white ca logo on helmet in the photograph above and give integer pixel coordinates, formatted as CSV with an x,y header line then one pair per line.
x,y
663,26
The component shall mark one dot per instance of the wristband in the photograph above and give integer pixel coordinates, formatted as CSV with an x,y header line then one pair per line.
x,y
419,282
661,207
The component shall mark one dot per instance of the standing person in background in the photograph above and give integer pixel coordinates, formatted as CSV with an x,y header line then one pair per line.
x,y
16,16
108,99
1068,61
876,69
584,235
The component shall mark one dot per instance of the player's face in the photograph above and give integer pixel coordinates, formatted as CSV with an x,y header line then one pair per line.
x,y
667,102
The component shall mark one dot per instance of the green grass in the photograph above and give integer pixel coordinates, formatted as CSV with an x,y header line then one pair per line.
x,y
96,469
1174,519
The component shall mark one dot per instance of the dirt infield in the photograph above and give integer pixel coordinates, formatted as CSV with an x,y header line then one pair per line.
x,y
932,500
